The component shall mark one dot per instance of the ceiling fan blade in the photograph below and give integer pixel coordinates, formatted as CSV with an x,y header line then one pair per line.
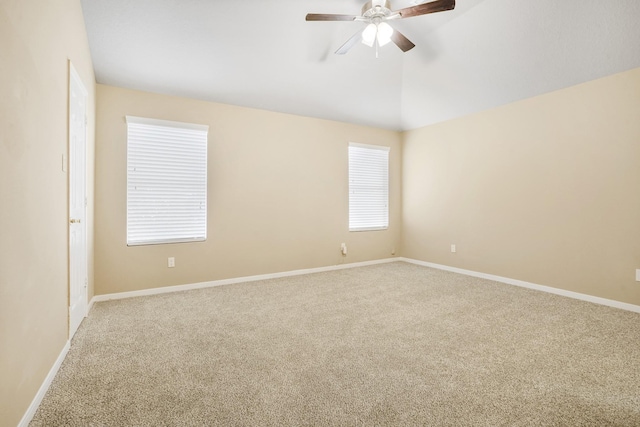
x,y
329,17
401,41
425,8
354,40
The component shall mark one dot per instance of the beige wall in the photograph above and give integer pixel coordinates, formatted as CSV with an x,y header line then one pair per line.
x,y
546,190
37,39
277,194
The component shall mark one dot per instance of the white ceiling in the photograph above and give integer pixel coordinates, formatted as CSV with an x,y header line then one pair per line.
x,y
263,54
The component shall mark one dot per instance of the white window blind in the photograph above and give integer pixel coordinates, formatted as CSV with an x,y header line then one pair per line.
x,y
368,187
166,181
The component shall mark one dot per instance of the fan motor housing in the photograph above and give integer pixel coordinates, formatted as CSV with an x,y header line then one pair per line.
x,y
376,8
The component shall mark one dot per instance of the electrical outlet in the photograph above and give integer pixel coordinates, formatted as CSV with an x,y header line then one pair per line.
x,y
171,262
393,251
638,275
453,248
343,249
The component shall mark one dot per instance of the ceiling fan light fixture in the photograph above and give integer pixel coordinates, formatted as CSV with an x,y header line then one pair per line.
x,y
384,33
377,31
369,34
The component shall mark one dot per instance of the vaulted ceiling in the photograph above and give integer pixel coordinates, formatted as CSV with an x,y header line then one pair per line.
x,y
263,54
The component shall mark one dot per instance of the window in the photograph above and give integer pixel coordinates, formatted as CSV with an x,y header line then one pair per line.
x,y
368,187
166,182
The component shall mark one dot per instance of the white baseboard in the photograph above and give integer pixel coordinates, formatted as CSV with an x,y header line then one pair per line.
x,y
188,287
35,403
523,284
509,281
90,306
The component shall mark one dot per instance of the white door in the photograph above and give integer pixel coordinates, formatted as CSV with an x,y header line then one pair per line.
x,y
77,201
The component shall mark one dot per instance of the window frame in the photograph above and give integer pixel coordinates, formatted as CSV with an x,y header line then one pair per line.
x,y
167,148
383,212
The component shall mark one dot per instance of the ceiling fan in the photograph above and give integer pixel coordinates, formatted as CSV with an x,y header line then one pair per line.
x,y
376,13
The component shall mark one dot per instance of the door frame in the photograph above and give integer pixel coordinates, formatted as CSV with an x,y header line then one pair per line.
x,y
75,77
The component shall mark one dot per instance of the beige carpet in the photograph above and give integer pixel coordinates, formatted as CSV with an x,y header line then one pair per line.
x,y
392,344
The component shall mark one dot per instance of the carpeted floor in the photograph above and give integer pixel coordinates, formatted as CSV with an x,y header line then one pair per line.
x,y
392,344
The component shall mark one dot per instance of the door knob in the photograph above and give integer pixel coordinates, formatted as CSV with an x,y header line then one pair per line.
x,y
74,221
